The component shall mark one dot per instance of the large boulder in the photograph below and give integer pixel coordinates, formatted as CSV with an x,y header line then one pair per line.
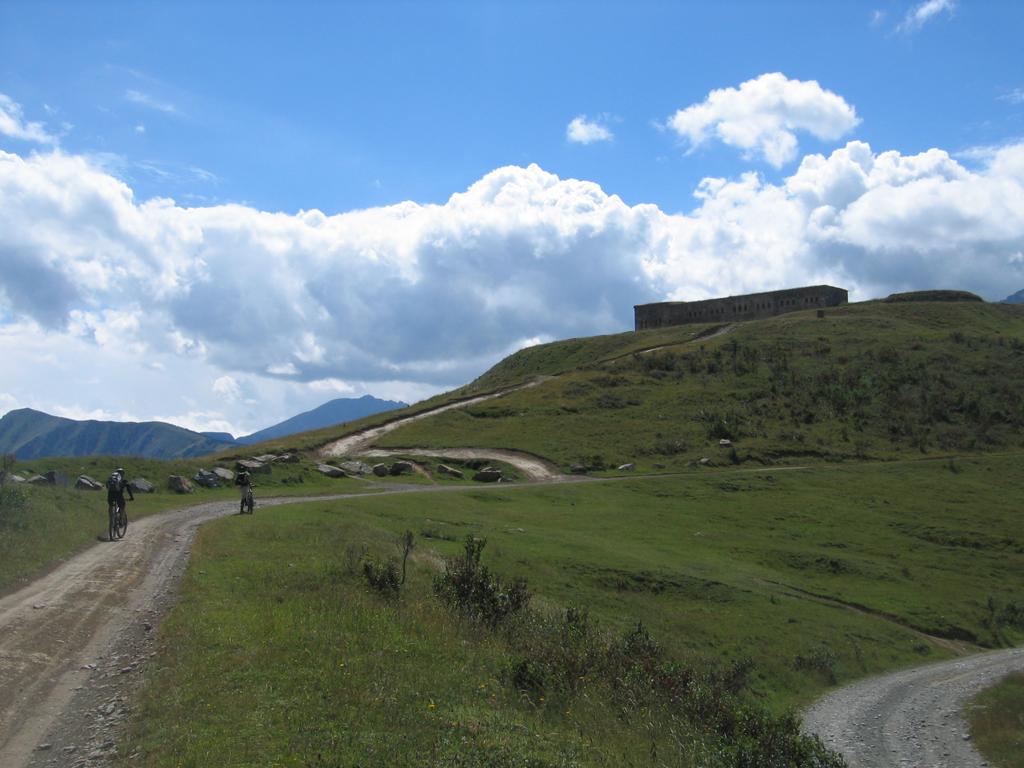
x,y
330,471
206,479
380,470
56,478
86,483
254,466
401,468
141,485
39,480
14,479
224,474
488,475
444,469
179,484
266,458
356,467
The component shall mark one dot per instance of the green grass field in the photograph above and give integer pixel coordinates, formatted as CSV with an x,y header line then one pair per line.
x,y
997,723
280,654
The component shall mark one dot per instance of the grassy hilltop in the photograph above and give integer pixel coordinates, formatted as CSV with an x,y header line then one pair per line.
x,y
872,380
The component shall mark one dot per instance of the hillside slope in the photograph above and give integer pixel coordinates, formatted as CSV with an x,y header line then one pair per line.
x,y
336,411
30,434
871,380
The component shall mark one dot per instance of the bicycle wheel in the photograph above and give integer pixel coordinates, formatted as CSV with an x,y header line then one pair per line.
x,y
112,523
122,523
249,502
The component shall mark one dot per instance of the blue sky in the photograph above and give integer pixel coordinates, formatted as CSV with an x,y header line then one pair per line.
x,y
471,168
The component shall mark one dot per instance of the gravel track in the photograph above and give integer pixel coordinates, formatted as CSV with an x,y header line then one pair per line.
x,y
910,718
359,442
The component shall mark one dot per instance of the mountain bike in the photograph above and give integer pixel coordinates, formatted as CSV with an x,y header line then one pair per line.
x,y
248,502
117,521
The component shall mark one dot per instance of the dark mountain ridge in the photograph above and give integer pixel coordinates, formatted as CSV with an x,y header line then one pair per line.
x,y
30,434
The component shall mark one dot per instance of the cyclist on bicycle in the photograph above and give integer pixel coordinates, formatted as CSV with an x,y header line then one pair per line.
x,y
116,486
243,480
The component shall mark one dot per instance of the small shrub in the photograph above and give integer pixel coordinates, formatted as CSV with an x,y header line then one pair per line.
x,y
468,586
383,577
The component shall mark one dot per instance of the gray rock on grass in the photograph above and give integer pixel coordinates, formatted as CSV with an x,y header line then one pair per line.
x,y
206,479
330,470
488,475
179,484
356,467
86,483
141,485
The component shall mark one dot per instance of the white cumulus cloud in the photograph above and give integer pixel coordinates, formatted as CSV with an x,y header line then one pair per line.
x,y
14,125
239,317
583,131
763,116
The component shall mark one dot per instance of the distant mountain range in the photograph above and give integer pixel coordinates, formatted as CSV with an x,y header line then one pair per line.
x,y
334,412
30,434
1016,298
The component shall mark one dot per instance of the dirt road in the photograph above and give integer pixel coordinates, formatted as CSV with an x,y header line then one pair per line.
x,y
359,442
910,718
73,642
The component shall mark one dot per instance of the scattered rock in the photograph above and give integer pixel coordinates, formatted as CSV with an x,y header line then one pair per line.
x,y
444,469
356,467
39,480
56,478
179,484
577,469
224,474
44,747
141,485
287,458
330,470
254,466
206,479
266,458
627,467
380,470
401,468
488,475
86,483
14,479
705,461
725,442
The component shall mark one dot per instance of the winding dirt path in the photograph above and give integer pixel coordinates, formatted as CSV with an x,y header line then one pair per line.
x,y
910,718
359,442
73,642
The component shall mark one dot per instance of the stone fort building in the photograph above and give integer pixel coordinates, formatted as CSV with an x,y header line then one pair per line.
x,y
752,306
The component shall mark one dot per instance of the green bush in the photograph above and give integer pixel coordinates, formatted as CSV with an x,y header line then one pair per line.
x,y
468,586
383,577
